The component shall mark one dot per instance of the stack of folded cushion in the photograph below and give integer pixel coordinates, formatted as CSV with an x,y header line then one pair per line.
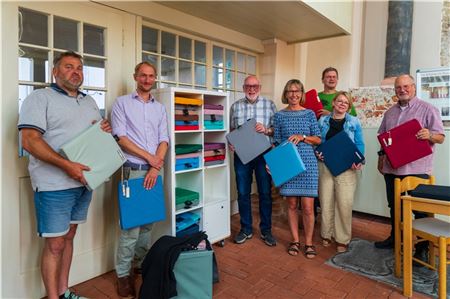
x,y
186,199
187,156
186,113
187,223
213,115
214,153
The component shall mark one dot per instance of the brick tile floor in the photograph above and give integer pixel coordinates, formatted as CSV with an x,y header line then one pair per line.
x,y
254,270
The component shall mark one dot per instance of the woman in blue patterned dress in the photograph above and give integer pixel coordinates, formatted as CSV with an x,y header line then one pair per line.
x,y
299,126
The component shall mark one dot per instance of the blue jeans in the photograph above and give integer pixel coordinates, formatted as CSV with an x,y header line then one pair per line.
x,y
56,210
244,178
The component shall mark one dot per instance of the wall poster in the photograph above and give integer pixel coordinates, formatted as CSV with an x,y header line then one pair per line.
x,y
433,86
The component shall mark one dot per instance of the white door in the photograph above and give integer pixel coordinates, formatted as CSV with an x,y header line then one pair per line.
x,y
43,29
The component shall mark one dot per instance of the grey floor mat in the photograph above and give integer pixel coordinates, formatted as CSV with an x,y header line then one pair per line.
x,y
363,258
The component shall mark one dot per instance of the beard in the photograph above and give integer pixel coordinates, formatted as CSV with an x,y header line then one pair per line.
x,y
72,84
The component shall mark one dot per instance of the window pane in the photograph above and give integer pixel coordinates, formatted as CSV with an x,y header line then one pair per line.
x,y
185,48
167,69
153,59
100,99
240,64
229,56
229,79
217,56
168,43
200,51
185,72
65,34
164,84
200,74
149,39
251,65
217,77
94,40
240,77
33,27
33,65
185,86
200,87
94,72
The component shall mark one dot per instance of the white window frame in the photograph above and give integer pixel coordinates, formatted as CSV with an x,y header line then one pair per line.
x,y
51,54
235,92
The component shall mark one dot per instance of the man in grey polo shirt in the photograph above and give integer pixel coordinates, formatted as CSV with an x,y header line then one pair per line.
x,y
140,122
49,118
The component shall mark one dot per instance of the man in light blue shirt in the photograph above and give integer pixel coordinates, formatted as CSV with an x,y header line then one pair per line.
x,y
140,123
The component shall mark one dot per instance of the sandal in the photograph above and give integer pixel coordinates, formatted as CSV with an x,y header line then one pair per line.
x,y
294,248
310,251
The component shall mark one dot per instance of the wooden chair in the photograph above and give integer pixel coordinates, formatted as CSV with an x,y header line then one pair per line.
x,y
437,232
401,186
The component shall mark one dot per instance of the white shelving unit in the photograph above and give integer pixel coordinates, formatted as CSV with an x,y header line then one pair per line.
x,y
211,182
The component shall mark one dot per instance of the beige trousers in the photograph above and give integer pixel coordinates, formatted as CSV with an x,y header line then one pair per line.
x,y
336,202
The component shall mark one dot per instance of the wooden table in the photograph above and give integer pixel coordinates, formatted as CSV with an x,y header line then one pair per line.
x,y
411,203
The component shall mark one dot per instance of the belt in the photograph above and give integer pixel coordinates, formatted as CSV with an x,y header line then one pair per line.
x,y
135,166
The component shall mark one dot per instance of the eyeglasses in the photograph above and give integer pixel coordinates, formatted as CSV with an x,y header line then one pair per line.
x,y
256,87
294,91
405,87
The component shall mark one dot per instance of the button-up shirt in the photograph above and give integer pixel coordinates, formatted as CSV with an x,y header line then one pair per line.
x,y
262,110
428,117
143,122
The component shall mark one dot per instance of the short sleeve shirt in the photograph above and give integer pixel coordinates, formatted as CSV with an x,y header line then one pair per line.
x,y
60,118
428,117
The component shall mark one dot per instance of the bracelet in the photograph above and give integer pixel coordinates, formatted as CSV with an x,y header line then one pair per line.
x,y
431,137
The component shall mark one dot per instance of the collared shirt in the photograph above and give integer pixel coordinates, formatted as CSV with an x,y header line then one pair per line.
x,y
59,118
144,123
428,117
262,110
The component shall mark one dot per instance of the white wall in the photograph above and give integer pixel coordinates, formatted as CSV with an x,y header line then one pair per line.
x,y
340,12
425,44
426,38
343,53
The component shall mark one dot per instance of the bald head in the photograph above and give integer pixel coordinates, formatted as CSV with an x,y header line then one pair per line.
x,y
405,89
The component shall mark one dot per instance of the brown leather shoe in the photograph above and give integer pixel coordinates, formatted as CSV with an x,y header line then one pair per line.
x,y
125,287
